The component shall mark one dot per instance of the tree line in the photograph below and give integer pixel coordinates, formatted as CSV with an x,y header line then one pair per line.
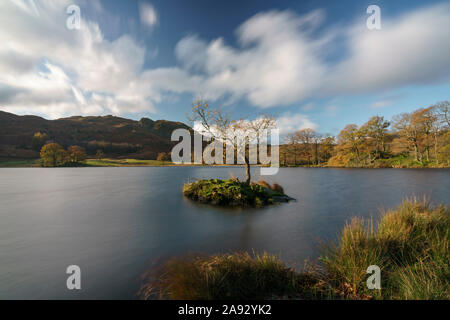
x,y
91,147
419,138
54,155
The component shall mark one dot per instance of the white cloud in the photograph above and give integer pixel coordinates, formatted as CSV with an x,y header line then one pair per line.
x,y
411,49
381,104
308,107
148,14
288,123
47,68
385,100
276,65
280,60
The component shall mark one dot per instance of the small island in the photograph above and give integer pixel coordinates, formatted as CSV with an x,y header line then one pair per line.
x,y
234,193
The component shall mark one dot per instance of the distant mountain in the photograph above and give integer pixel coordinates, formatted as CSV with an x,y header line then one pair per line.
x,y
115,136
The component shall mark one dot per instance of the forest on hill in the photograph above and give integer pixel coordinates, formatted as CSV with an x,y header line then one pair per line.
x,y
417,139
22,137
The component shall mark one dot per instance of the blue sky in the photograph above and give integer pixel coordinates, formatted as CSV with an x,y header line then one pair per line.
x,y
309,63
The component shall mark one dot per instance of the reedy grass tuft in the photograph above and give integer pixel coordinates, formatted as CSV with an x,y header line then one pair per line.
x,y
226,276
264,184
410,245
276,187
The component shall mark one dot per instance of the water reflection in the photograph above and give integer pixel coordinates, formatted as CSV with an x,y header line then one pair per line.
x,y
115,222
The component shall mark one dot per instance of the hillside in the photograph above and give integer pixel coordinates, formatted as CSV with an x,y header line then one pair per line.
x,y
115,136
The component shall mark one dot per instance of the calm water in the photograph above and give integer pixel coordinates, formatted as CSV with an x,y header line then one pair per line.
x,y
116,222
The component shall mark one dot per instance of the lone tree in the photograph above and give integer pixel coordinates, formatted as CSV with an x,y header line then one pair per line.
x,y
237,134
76,154
163,156
53,155
99,155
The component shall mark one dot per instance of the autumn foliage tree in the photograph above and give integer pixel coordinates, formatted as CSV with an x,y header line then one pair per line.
x,y
306,146
350,145
375,131
418,138
419,131
163,156
53,155
38,141
76,154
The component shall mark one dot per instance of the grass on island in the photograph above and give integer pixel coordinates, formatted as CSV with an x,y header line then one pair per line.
x,y
232,192
409,244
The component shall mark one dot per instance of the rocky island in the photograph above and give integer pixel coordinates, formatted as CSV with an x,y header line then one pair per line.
x,y
234,193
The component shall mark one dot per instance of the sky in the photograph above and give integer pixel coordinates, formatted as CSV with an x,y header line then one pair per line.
x,y
311,64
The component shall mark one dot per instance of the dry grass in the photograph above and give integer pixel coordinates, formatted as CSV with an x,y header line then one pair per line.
x,y
276,187
264,184
409,244
224,276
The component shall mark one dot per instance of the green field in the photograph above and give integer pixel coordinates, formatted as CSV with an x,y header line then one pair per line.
x,y
27,163
125,163
8,163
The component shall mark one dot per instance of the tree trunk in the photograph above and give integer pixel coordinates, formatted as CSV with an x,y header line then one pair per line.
x,y
247,171
435,149
357,156
316,154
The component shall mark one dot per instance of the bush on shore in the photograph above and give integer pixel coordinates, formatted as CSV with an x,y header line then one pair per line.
x,y
225,276
230,192
399,161
409,244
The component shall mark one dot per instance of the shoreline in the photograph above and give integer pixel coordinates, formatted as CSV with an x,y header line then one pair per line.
x,y
107,162
2,166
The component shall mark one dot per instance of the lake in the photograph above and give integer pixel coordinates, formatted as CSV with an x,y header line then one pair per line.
x,y
117,223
